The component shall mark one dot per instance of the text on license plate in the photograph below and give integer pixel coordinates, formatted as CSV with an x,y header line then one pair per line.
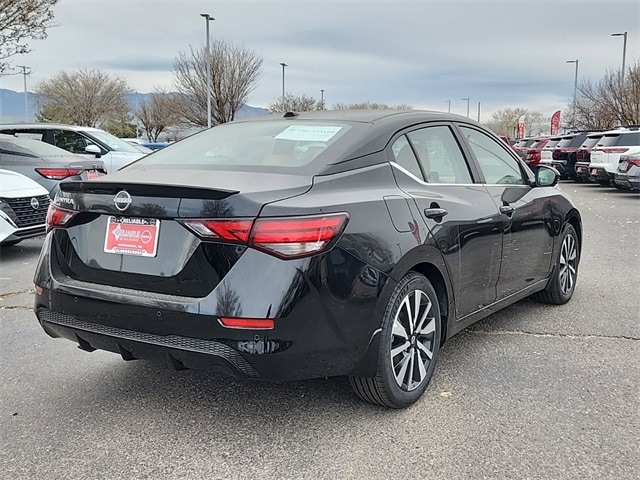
x,y
132,236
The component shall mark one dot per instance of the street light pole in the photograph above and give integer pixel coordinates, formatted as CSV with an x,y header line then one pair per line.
x,y
478,112
322,98
575,89
624,49
207,19
467,99
449,107
284,109
26,107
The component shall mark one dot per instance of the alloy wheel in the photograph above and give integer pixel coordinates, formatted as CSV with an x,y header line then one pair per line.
x,y
413,340
568,264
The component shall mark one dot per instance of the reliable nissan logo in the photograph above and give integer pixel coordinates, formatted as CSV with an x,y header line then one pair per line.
x,y
35,204
122,200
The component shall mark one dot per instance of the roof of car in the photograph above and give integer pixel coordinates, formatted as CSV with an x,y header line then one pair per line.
x,y
4,126
363,115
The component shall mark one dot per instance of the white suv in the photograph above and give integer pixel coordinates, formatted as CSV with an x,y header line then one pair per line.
x,y
606,154
115,153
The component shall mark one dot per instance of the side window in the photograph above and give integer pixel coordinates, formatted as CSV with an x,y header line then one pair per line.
x,y
70,141
496,164
440,155
405,157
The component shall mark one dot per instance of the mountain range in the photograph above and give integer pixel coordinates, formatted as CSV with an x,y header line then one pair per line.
x,y
12,106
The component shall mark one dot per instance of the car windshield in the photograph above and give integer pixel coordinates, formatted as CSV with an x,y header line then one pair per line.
x,y
113,142
251,144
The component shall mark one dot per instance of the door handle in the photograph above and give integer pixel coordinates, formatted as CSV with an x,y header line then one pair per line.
x,y
507,210
435,213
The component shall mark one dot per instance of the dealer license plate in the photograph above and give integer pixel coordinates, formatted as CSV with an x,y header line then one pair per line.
x,y
132,236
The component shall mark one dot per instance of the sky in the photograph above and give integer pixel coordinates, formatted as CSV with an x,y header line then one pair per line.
x,y
424,53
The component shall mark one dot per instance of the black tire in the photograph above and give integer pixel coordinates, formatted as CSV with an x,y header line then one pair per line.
x,y
409,344
562,283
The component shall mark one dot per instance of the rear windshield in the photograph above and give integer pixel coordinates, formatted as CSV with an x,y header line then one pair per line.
x,y
552,142
41,148
270,144
577,140
590,141
608,140
629,139
564,142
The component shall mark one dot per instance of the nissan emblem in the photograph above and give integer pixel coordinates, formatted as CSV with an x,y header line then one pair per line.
x,y
122,200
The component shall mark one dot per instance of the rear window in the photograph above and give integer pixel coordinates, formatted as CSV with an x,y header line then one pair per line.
x,y
577,140
270,144
564,142
590,142
628,139
608,140
552,142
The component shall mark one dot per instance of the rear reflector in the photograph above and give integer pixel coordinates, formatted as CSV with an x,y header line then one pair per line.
x,y
248,323
58,173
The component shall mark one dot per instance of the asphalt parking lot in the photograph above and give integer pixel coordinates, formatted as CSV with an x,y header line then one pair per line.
x,y
534,391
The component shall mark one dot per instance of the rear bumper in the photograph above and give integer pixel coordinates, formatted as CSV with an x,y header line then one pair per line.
x,y
328,327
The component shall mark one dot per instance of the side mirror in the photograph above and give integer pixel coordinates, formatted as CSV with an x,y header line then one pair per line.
x,y
546,176
94,150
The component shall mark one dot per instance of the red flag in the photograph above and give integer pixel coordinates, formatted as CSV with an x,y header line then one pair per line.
x,y
521,126
555,123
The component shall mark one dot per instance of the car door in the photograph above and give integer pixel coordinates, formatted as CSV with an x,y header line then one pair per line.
x,y
528,230
463,220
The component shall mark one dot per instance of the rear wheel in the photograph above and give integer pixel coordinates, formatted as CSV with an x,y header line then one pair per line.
x,y
409,344
562,283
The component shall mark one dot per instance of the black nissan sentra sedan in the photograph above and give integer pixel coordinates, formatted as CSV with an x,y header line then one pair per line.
x,y
307,245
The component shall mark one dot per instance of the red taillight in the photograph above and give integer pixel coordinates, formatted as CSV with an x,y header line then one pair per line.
x,y
247,323
634,161
556,155
230,230
614,150
295,237
580,155
58,173
58,217
284,237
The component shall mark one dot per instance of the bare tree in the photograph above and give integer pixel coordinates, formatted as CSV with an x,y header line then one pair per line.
x,y
235,71
505,122
20,21
370,105
610,102
158,113
294,103
87,97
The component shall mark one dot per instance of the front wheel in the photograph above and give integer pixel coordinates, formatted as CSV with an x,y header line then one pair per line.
x,y
409,344
562,283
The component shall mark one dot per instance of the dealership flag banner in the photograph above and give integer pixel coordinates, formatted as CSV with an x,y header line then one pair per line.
x,y
521,127
555,123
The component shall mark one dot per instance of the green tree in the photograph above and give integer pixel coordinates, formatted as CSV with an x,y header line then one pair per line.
x,y
21,21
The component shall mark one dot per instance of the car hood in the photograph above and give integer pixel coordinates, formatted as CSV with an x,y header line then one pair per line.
x,y
14,185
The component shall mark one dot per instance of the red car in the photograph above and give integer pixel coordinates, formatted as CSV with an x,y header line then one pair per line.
x,y
532,154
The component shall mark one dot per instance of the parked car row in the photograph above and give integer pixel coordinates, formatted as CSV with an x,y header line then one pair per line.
x,y
609,157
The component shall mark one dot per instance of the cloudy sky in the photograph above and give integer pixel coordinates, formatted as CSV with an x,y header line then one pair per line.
x,y
425,53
